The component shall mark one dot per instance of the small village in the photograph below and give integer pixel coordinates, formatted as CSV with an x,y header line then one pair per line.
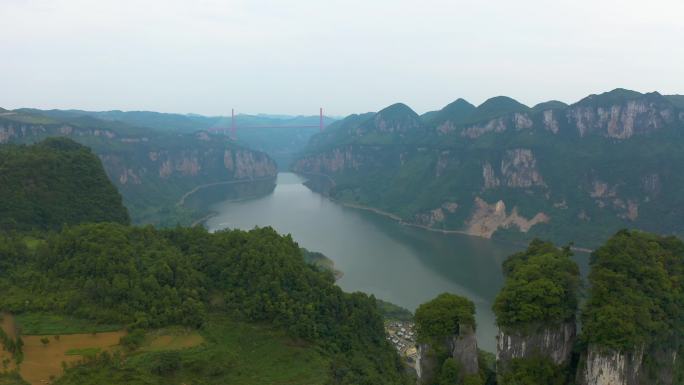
x,y
402,335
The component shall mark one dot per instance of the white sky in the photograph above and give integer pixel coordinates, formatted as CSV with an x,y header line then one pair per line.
x,y
206,56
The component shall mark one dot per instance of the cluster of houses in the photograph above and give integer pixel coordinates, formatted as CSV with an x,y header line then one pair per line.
x,y
402,335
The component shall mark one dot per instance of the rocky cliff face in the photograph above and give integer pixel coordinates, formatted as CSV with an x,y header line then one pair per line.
x,y
638,367
618,119
611,368
337,160
426,364
238,164
518,170
622,120
555,342
461,347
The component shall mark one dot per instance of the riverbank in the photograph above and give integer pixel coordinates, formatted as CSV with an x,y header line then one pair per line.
x,y
404,222
432,229
185,196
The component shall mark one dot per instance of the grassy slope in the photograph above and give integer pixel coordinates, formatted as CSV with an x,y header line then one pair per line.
x,y
11,379
234,353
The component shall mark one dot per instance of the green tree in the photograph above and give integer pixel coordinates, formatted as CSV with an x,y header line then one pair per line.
x,y
450,374
541,287
442,317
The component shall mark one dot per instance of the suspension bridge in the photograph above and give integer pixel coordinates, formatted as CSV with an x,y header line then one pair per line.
x,y
232,130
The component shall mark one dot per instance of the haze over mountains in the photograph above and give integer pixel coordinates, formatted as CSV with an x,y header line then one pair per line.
x,y
152,165
570,173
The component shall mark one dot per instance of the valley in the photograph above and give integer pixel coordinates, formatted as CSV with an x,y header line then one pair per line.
x,y
400,264
322,263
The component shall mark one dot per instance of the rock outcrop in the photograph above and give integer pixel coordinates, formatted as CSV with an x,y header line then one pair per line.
x,y
461,347
609,367
495,125
621,120
339,159
487,218
519,169
553,341
427,364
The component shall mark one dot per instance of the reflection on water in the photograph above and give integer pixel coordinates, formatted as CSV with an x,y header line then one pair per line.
x,y
397,263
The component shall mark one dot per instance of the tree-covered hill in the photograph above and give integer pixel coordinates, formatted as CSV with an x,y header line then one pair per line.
x,y
53,183
148,278
561,172
633,319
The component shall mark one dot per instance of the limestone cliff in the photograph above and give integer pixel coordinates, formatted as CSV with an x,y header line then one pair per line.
x,y
337,160
553,341
609,367
462,347
621,120
535,312
427,364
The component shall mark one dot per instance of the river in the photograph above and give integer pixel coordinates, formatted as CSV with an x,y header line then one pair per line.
x,y
401,264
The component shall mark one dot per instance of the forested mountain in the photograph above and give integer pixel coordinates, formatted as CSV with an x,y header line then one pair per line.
x,y
153,169
54,183
562,172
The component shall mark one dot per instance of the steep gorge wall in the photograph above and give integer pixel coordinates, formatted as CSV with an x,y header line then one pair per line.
x,y
555,342
461,347
638,367
533,171
151,168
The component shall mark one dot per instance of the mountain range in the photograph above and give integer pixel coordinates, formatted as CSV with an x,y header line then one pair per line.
x,y
568,173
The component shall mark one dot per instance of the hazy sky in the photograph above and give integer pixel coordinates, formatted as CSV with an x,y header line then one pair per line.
x,y
206,56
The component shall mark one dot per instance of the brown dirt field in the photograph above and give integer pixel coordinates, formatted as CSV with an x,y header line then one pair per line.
x,y
41,362
7,324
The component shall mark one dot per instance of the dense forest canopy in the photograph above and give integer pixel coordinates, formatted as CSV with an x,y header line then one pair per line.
x,y
636,296
443,316
53,183
144,277
541,287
